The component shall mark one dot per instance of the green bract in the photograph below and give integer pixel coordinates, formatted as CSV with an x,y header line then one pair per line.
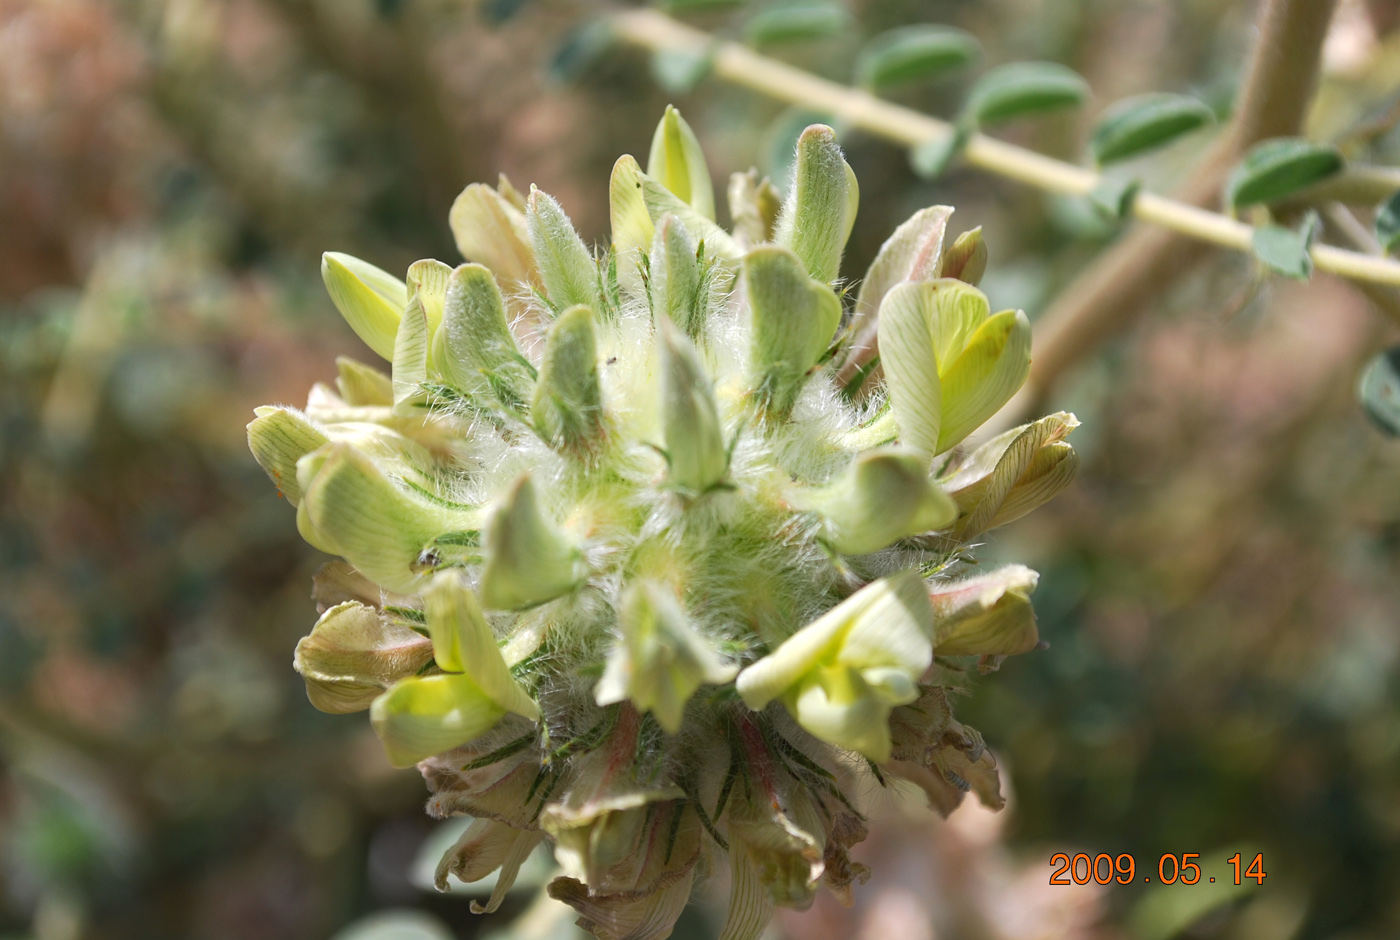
x,y
648,549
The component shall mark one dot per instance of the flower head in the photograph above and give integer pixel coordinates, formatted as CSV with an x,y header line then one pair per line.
x,y
624,569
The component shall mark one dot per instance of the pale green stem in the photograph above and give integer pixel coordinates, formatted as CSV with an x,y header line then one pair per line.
x,y
742,66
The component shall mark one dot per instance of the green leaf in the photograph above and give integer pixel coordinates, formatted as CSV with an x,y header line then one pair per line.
x,y
932,158
794,22
1388,223
1021,89
1165,911
1379,391
678,71
1136,125
1279,168
910,53
1286,250
1114,197
581,50
821,206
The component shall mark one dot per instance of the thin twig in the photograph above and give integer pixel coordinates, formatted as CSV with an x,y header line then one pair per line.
x,y
741,65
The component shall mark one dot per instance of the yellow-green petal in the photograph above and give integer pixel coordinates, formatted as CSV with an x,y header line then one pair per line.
x,y
463,642
528,560
420,717
278,438
677,162
369,298
353,654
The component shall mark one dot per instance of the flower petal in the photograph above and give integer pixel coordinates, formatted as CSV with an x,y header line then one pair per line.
x,y
677,162
353,654
420,717
463,642
369,298
491,231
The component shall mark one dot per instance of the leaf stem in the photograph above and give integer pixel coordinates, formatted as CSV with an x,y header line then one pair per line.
x,y
742,66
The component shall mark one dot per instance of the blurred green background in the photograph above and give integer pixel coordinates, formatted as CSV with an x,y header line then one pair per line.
x,y
1220,589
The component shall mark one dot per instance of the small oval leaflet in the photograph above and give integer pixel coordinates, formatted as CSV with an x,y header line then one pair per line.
x,y
793,22
1286,250
1145,122
1388,223
1279,168
1379,391
910,53
1024,88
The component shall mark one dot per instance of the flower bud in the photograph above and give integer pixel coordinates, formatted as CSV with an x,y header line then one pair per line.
x,y
360,384
793,320
1012,473
821,208
913,253
966,258
353,654
949,364
528,560
566,266
463,642
989,615
278,438
884,496
370,299
676,279
632,227
661,201
842,673
690,422
475,349
382,529
490,230
677,162
660,659
754,206
411,360
567,407
427,280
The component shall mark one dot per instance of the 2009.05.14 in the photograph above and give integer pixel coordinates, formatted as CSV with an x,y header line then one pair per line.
x,y
1184,869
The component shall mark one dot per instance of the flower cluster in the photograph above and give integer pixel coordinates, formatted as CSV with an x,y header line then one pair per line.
x,y
645,552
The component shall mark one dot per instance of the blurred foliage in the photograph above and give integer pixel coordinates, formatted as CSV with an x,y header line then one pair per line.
x,y
1220,590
